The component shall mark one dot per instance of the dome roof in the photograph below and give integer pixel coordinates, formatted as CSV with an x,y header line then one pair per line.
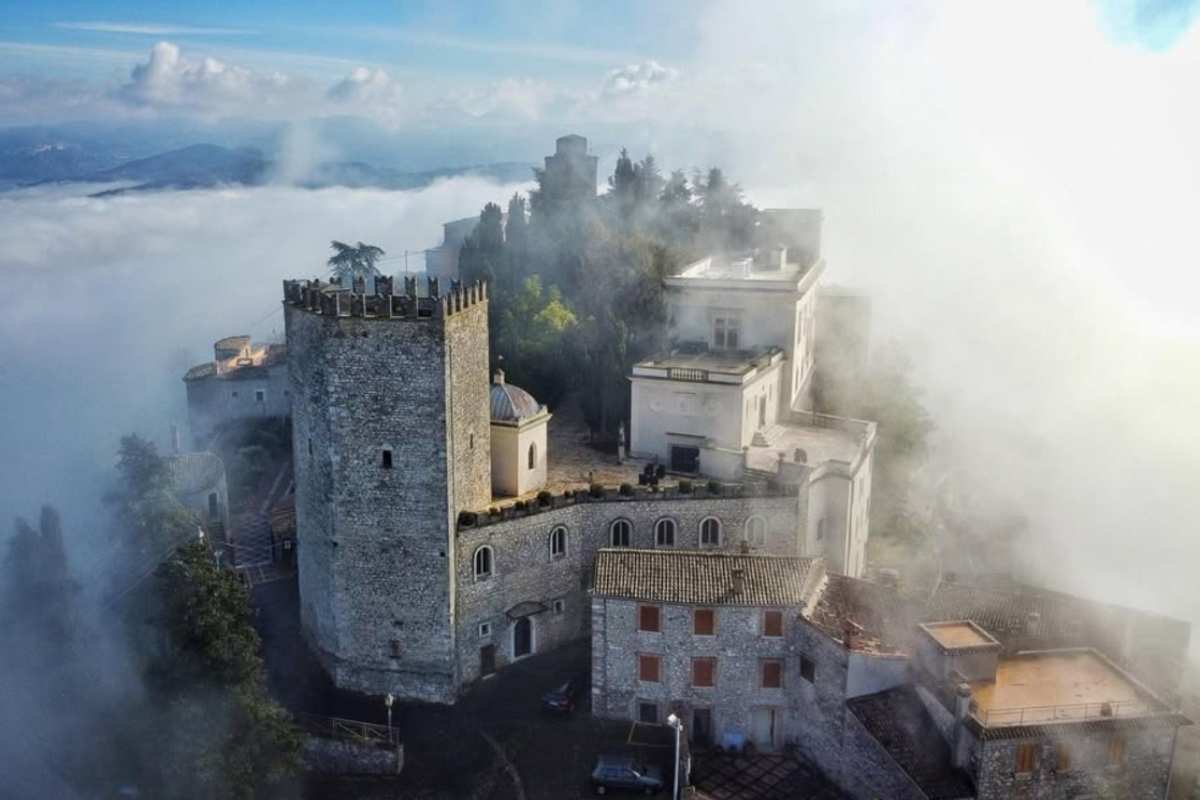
x,y
511,403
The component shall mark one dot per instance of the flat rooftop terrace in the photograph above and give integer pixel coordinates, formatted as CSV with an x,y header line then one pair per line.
x,y
820,443
689,366
1058,686
738,268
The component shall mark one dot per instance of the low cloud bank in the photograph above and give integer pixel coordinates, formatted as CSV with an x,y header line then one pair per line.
x,y
112,299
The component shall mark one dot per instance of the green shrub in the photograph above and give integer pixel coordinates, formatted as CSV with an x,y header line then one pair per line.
x,y
685,486
543,498
597,490
714,487
626,489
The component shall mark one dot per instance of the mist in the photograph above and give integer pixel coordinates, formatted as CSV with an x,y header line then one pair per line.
x,y
1012,188
112,299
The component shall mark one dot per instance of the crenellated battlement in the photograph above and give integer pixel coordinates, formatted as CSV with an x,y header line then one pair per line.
x,y
331,299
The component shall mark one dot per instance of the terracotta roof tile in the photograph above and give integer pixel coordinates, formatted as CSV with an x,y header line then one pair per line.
x,y
701,577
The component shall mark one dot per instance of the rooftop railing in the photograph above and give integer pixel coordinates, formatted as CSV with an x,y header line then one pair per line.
x,y
688,374
1043,715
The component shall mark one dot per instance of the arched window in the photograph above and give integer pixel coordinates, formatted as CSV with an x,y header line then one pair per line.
x,y
558,542
756,531
710,532
664,533
483,563
620,533
533,455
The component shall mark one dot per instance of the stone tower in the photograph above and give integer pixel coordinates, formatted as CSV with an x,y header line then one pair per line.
x,y
570,174
390,441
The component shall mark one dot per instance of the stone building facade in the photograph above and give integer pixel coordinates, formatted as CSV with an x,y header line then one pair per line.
x,y
243,381
529,586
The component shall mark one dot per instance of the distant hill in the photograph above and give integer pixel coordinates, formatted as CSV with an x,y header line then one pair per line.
x,y
31,156
197,165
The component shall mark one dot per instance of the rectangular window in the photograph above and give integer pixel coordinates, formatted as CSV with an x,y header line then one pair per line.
x,y
485,629
235,392
650,619
772,624
559,606
704,622
725,333
704,672
395,645
648,668
260,396
1062,760
1026,758
648,712
808,669
772,674
387,458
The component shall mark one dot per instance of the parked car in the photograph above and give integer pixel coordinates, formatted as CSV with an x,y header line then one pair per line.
x,y
564,698
626,773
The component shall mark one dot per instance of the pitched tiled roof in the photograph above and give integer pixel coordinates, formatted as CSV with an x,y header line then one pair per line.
x,y
879,621
898,721
701,577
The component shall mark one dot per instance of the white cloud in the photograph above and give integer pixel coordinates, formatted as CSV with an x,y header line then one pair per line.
x,y
150,29
169,79
365,85
146,275
508,99
638,78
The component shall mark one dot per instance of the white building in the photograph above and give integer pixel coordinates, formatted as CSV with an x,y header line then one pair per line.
x,y
726,398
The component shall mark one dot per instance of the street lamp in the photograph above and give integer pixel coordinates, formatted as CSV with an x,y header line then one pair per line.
x,y
387,701
675,723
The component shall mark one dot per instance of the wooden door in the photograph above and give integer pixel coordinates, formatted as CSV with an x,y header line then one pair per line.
x,y
487,659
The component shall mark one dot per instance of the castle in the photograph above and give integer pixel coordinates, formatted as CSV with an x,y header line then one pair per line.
x,y
717,567
412,580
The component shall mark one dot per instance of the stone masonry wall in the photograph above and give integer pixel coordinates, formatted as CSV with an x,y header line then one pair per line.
x,y
738,647
523,570
374,556
1142,775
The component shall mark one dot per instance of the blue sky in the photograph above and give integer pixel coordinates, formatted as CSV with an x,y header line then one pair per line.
x,y
479,39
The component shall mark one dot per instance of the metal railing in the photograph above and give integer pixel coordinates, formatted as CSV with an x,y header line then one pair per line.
x,y
1041,715
368,733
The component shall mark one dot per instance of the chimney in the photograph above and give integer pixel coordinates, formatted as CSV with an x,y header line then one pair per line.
x,y
739,580
498,377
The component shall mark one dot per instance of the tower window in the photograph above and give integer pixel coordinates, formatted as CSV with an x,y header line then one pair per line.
x,y
558,542
619,533
532,456
483,563
260,396
386,461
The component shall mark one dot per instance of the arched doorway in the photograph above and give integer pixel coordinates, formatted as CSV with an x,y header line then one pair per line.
x,y
522,637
